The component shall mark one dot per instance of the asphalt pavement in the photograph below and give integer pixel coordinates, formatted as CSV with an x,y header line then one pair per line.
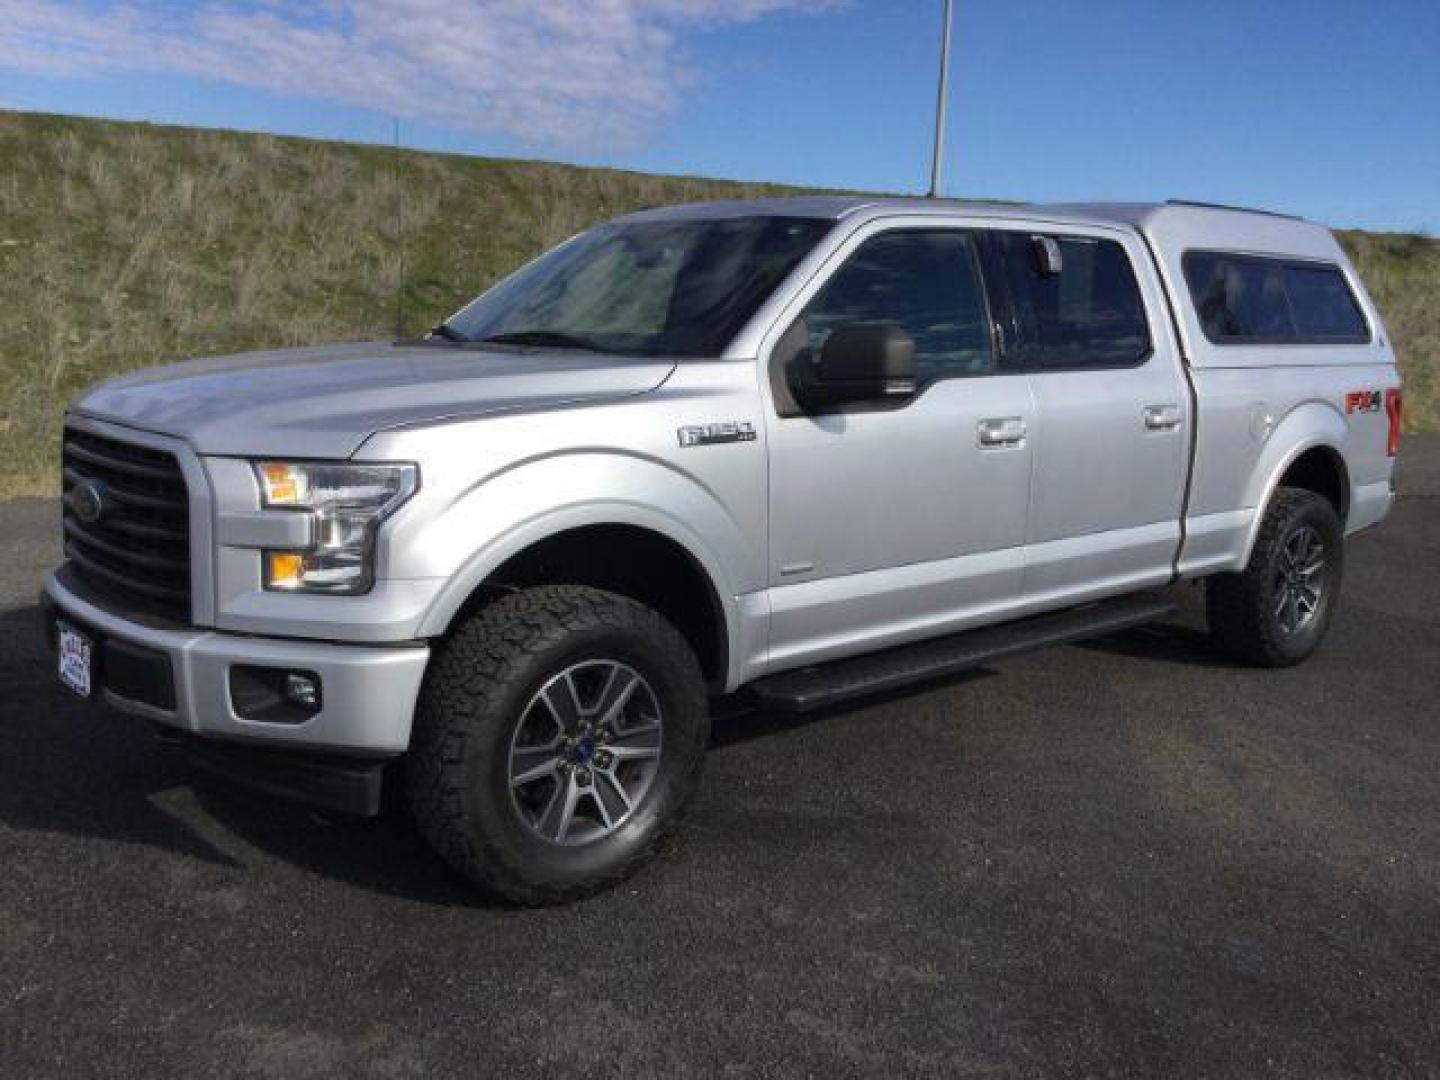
x,y
1122,858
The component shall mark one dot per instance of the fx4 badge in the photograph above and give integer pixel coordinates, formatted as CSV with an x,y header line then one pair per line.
x,y
1363,401
727,431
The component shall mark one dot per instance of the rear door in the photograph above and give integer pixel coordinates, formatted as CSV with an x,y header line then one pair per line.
x,y
1112,412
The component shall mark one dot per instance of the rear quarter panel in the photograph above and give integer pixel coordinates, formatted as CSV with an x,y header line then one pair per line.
x,y
1252,423
1259,407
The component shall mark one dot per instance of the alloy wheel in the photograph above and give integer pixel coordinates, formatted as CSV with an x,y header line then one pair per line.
x,y
1299,579
585,752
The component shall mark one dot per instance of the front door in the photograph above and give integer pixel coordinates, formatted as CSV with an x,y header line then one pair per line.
x,y
889,524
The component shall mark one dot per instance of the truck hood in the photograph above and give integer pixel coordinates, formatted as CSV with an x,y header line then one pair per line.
x,y
325,402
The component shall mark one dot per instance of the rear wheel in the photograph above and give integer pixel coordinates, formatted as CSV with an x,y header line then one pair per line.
x,y
559,736
1276,611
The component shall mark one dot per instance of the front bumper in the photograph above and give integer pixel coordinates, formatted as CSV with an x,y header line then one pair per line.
x,y
369,692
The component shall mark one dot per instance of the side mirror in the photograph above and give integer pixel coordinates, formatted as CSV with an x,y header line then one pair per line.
x,y
862,361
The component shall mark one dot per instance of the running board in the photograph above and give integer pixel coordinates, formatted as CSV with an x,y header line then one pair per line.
x,y
818,687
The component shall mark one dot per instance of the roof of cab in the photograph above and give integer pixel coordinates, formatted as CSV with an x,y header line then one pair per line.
x,y
1136,215
1170,228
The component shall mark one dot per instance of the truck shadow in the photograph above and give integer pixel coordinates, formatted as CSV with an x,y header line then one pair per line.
x,y
68,767
385,854
740,719
74,769
1166,642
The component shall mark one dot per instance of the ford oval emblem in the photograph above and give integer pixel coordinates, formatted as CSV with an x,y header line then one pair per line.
x,y
87,501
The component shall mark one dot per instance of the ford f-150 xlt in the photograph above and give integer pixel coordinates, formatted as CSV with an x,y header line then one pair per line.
x,y
816,448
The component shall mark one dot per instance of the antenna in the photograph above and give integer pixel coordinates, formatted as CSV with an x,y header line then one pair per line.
x,y
399,239
940,100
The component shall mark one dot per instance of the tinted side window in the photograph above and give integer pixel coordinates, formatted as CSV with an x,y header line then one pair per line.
x,y
1250,299
1323,304
929,282
1089,314
1239,298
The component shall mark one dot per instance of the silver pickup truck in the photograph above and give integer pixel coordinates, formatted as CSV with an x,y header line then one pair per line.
x,y
816,448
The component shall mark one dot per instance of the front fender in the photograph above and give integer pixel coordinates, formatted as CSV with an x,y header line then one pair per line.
x,y
506,513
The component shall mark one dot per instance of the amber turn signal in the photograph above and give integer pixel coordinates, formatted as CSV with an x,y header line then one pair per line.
x,y
284,569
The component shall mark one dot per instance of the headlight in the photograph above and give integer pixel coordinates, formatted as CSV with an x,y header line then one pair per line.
x,y
347,503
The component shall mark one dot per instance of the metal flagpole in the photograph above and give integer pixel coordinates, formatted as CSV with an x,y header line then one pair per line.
x,y
940,103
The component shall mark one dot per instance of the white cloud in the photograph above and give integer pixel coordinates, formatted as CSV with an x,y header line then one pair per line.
x,y
577,73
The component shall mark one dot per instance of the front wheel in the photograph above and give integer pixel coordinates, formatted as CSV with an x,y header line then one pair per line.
x,y
559,735
1276,611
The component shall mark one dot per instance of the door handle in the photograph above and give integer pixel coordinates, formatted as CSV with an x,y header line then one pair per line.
x,y
1163,417
1002,431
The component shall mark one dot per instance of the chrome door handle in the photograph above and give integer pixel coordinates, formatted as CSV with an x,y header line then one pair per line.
x,y
1003,431
1163,417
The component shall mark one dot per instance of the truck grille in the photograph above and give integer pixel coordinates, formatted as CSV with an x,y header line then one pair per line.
x,y
136,549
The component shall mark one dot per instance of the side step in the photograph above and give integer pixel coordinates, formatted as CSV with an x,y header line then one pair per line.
x,y
806,689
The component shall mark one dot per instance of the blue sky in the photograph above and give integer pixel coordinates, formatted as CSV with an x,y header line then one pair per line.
x,y
1328,108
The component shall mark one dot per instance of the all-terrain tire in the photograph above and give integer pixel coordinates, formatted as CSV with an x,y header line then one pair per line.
x,y
1247,610
481,683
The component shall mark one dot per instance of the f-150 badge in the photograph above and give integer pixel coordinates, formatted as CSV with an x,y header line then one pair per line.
x,y
726,431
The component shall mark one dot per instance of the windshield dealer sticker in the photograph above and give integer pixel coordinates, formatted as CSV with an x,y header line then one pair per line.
x,y
727,431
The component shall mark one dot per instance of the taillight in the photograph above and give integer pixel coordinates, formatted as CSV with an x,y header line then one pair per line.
x,y
1392,410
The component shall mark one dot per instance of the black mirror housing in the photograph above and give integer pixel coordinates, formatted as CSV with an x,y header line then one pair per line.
x,y
863,361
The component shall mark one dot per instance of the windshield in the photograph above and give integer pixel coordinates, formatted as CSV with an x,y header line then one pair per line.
x,y
643,288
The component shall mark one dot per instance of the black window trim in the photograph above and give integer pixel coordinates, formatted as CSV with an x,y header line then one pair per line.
x,y
1031,368
1286,262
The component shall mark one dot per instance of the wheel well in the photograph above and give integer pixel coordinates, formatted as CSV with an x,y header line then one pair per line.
x,y
1321,470
634,562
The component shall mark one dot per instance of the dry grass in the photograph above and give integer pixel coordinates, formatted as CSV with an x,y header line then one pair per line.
x,y
127,244
1402,273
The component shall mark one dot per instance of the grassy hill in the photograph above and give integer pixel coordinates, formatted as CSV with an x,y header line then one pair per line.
x,y
128,244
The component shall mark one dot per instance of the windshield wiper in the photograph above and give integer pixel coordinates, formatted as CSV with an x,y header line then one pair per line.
x,y
544,337
446,331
